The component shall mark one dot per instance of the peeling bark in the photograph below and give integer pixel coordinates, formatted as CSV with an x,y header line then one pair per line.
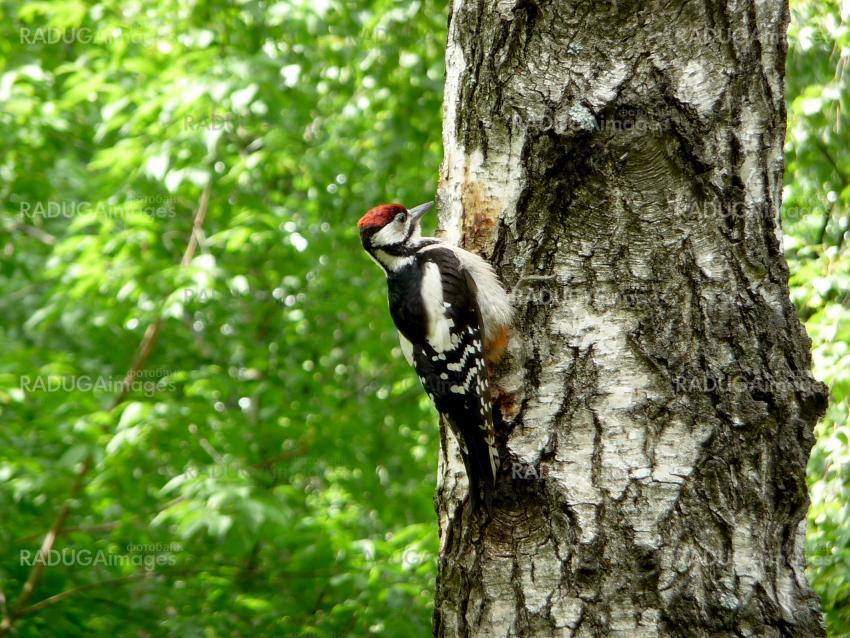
x,y
621,165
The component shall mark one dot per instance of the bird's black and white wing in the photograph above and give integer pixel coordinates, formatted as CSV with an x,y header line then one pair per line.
x,y
450,363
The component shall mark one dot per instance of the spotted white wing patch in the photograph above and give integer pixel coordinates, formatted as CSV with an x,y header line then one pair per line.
x,y
493,302
450,363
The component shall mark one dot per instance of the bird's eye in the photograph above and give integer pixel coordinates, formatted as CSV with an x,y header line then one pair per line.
x,y
401,217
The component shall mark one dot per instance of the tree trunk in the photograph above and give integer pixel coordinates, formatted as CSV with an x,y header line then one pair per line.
x,y
621,165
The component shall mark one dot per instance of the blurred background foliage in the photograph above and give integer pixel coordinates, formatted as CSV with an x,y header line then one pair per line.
x,y
815,218
272,458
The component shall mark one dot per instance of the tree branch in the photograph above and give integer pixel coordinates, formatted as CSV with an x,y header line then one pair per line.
x,y
52,600
4,611
143,575
35,232
845,181
86,529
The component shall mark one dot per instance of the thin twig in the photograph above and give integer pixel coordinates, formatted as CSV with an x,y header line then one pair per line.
x,y
45,549
98,527
85,529
35,232
197,225
284,456
52,600
845,181
827,216
825,152
4,611
142,354
143,575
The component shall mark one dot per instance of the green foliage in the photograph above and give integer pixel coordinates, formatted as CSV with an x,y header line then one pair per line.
x,y
272,456
817,200
271,470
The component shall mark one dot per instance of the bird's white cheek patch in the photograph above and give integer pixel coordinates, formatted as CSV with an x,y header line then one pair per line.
x,y
390,234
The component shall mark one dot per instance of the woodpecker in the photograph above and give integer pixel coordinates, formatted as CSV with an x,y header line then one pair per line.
x,y
452,315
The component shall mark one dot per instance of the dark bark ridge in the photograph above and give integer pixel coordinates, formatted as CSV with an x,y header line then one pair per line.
x,y
621,164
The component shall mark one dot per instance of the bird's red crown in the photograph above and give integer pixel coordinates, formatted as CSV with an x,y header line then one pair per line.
x,y
380,216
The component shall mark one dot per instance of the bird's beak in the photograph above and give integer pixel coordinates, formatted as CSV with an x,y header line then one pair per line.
x,y
417,213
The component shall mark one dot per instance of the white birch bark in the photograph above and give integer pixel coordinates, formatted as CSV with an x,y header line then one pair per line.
x,y
621,164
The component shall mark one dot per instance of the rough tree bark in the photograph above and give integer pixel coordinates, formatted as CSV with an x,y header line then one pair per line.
x,y
621,164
